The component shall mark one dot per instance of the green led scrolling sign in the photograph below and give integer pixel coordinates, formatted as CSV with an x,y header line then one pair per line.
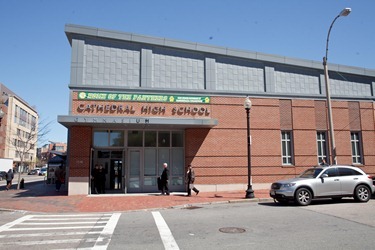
x,y
142,97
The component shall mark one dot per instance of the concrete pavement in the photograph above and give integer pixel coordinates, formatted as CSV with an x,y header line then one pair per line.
x,y
41,197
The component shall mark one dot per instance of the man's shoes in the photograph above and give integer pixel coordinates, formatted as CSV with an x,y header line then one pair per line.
x,y
197,192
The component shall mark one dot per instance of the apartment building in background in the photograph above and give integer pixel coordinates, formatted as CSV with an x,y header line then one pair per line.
x,y
18,129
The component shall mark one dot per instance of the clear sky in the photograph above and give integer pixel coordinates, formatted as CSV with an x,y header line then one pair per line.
x,y
35,53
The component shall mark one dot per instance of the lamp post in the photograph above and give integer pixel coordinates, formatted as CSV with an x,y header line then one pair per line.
x,y
249,191
344,12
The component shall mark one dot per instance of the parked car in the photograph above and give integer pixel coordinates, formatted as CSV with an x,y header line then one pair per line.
x,y
33,172
2,175
329,181
43,171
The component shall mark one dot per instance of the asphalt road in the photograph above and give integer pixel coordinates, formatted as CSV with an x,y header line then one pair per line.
x,y
266,225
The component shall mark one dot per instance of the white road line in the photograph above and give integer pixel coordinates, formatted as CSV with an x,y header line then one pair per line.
x,y
49,234
104,224
67,219
165,233
71,215
61,223
106,234
50,228
46,242
7,226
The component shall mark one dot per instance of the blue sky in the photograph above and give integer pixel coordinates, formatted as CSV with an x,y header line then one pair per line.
x,y
35,53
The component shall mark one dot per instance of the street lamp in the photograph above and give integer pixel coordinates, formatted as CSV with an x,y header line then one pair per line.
x,y
344,12
249,191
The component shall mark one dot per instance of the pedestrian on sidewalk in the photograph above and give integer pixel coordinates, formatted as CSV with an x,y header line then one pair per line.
x,y
164,178
9,178
96,179
190,178
59,177
102,177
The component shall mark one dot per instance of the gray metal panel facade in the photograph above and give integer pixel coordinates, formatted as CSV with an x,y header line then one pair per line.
x,y
104,59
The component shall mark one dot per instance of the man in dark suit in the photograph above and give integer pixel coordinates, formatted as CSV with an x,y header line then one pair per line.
x,y
165,179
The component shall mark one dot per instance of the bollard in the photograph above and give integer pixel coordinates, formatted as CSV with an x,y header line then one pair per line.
x,y
22,184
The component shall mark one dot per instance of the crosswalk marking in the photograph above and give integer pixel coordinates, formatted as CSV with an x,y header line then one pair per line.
x,y
105,235
65,231
165,233
49,234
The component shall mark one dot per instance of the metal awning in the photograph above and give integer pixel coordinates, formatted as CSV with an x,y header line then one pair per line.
x,y
136,122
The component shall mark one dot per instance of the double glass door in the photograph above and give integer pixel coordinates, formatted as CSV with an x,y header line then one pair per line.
x,y
113,168
144,167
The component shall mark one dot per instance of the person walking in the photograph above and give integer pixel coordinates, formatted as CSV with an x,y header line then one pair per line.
x,y
102,177
96,178
164,178
9,178
190,178
59,177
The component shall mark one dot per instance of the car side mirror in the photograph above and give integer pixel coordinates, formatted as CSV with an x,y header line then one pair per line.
x,y
324,176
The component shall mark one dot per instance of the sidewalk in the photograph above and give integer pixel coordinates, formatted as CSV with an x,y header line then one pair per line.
x,y
41,197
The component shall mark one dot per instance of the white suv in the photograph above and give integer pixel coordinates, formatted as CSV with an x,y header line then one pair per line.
x,y
329,181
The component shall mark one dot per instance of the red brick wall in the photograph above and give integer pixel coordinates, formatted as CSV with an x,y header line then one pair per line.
x,y
79,151
219,155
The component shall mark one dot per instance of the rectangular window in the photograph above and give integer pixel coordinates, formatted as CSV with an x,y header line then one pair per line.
x,y
177,139
164,139
322,146
150,162
355,140
101,139
135,138
150,138
286,147
116,138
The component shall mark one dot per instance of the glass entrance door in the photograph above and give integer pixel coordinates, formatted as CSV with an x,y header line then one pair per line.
x,y
134,174
113,168
115,175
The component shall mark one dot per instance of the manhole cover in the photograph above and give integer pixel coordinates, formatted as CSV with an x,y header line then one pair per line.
x,y
232,230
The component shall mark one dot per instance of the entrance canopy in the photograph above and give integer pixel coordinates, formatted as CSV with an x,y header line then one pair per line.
x,y
136,122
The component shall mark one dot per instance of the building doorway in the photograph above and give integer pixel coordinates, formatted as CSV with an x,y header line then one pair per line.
x,y
112,162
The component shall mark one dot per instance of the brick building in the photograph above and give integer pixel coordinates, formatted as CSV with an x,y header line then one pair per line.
x,y
18,130
138,101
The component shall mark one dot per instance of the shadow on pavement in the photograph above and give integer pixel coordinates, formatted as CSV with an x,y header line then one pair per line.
x,y
33,189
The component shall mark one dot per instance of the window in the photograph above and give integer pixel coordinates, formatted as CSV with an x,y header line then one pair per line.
x,y
116,138
332,172
150,138
135,138
356,147
286,147
177,139
348,172
101,138
322,146
164,139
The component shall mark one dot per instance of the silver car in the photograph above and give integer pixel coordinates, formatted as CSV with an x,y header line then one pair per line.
x,y
329,181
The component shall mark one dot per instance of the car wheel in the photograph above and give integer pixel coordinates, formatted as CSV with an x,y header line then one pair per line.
x,y
362,193
303,197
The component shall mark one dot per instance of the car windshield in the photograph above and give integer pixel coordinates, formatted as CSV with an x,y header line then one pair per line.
x,y
311,173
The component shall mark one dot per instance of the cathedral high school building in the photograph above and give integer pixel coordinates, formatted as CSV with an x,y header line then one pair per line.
x,y
139,101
